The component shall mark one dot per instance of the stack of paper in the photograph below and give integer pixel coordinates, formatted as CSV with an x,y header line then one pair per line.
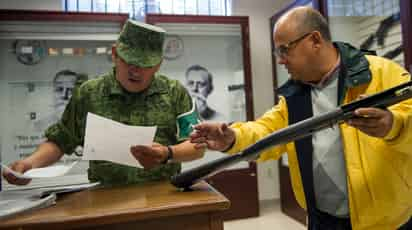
x,y
15,202
12,207
46,172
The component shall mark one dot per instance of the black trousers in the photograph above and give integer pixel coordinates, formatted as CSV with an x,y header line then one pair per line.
x,y
319,220
323,221
407,225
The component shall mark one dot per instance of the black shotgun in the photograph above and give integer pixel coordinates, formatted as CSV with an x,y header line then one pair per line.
x,y
294,132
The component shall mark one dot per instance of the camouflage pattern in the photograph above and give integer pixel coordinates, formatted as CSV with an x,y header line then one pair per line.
x,y
158,105
140,44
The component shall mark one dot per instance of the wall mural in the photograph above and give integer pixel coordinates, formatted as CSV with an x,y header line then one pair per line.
x,y
44,75
381,34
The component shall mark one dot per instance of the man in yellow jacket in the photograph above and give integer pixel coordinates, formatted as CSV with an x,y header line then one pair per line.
x,y
356,175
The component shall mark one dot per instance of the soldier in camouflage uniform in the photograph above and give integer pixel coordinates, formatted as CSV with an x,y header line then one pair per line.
x,y
133,94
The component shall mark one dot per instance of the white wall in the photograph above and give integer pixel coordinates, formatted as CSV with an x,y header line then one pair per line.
x,y
259,12
31,4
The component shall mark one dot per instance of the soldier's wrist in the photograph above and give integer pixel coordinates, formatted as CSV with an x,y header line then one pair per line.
x,y
28,164
169,155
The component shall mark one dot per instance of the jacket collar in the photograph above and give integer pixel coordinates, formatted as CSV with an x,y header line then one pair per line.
x,y
354,69
355,63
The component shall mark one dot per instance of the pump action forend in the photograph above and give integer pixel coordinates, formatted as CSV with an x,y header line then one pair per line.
x,y
294,132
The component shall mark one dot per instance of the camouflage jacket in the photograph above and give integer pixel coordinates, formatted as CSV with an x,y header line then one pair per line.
x,y
158,105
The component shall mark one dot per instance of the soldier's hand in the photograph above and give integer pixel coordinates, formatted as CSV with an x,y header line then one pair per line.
x,y
149,156
372,121
215,136
20,166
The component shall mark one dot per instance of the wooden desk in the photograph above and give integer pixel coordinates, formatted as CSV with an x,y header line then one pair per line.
x,y
152,206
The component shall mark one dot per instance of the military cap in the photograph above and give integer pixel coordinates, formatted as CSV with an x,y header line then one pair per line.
x,y
140,44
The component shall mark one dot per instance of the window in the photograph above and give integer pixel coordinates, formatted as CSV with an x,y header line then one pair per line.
x,y
363,7
371,25
139,8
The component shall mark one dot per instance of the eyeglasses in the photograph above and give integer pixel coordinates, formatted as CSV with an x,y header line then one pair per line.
x,y
283,50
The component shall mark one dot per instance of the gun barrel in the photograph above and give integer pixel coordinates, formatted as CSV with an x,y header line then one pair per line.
x,y
194,175
285,135
383,99
294,132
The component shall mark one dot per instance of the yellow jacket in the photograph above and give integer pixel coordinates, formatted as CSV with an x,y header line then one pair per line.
x,y
379,170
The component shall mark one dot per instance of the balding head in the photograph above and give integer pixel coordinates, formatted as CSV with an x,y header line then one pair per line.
x,y
301,20
303,44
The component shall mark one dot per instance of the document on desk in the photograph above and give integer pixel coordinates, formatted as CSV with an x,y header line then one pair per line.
x,y
46,172
9,208
13,202
109,140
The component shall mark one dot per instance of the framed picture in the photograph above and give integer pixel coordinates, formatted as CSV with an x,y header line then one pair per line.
x,y
173,47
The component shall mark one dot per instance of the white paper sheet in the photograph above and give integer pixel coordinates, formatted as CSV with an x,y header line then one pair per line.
x,y
109,140
46,172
